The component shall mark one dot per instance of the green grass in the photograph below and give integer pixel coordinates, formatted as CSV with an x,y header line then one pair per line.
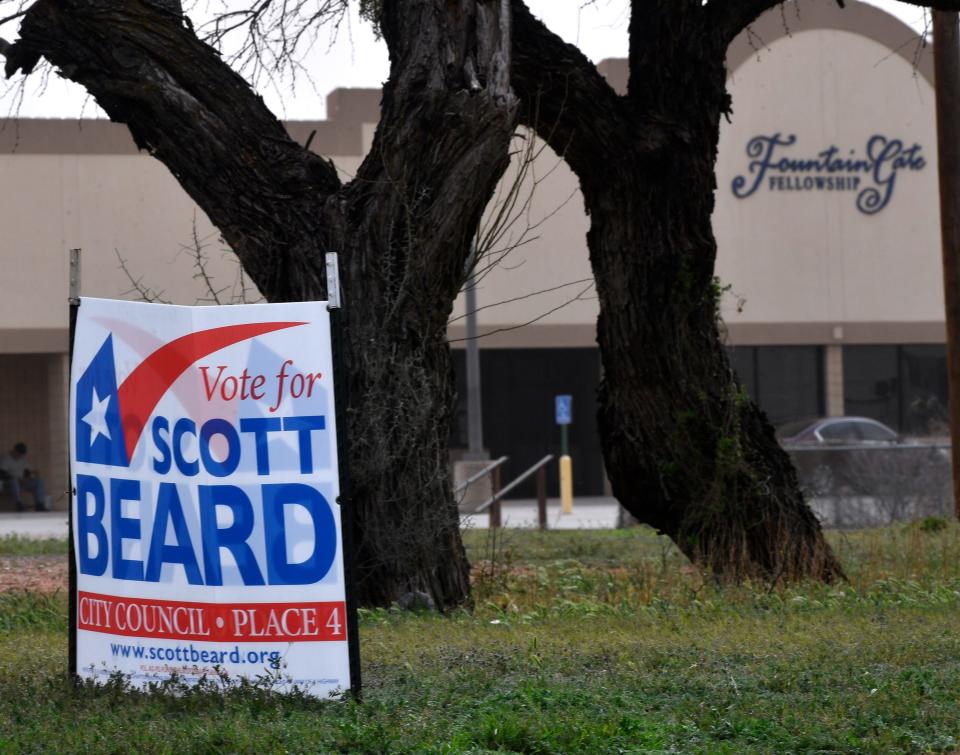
x,y
14,545
623,649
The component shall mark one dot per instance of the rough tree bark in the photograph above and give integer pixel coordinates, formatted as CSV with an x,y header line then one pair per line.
x,y
402,225
686,450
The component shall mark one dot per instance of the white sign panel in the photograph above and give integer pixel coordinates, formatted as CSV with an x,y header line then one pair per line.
x,y
204,462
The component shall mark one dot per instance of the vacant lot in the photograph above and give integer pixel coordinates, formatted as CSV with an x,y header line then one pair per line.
x,y
578,642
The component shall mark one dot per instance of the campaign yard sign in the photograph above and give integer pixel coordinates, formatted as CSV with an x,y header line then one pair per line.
x,y
204,466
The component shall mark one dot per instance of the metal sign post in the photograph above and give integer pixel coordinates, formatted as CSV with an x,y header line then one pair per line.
x,y
74,307
563,409
341,396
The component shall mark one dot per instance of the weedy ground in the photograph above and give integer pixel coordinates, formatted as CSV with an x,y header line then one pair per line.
x,y
596,642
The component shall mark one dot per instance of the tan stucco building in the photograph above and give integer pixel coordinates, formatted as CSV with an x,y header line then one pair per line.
x,y
826,219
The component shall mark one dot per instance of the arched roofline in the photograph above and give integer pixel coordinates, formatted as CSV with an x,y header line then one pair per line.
x,y
859,18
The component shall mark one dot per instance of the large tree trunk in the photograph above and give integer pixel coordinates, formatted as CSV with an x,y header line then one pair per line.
x,y
685,448
441,146
402,226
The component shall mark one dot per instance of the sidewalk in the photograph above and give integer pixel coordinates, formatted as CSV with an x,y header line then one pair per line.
x,y
588,514
34,524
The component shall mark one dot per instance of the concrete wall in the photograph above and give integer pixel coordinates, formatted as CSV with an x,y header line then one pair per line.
x,y
812,256
800,263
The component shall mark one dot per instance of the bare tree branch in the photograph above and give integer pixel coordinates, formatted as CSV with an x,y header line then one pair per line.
x,y
728,18
197,250
578,297
137,286
13,17
270,38
240,292
497,235
187,107
567,101
529,296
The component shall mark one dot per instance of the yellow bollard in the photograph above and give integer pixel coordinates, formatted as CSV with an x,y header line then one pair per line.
x,y
566,484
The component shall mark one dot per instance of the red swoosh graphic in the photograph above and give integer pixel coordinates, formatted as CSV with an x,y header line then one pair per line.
x,y
144,387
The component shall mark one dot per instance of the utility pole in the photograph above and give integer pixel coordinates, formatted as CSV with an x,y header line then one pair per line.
x,y
946,63
475,450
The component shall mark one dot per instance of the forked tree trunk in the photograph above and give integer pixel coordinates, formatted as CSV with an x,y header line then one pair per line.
x,y
402,227
686,450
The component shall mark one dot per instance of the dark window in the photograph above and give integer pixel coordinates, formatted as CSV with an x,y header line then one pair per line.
x,y
786,381
518,388
923,375
871,383
789,380
904,387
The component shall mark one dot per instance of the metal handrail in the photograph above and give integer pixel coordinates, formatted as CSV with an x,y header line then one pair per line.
x,y
499,495
473,478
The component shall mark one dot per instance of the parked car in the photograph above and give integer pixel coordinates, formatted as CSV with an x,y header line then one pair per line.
x,y
859,456
837,431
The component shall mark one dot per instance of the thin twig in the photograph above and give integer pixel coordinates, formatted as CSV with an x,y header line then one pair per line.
x,y
137,286
539,317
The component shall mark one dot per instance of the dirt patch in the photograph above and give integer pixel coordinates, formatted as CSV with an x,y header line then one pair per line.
x,y
33,573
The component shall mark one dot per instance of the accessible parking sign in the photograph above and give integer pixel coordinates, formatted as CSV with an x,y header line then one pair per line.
x,y
206,524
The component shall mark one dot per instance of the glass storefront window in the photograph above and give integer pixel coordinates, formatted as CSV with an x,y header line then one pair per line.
x,y
904,387
871,383
923,374
786,381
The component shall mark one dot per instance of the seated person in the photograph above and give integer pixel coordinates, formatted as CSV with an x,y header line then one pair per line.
x,y
16,473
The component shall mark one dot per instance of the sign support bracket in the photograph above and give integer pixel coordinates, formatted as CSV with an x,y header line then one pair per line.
x,y
344,500
74,308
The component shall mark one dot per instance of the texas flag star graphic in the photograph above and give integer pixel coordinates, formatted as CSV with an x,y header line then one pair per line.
x,y
99,431
97,417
